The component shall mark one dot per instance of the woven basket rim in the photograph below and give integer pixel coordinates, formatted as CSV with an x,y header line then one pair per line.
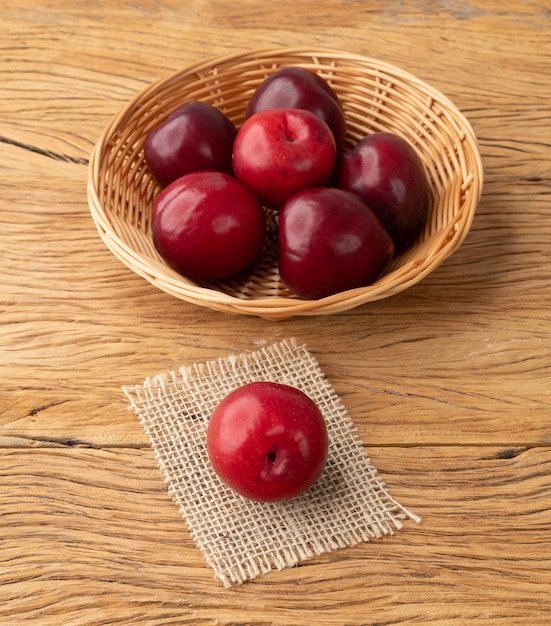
x,y
280,307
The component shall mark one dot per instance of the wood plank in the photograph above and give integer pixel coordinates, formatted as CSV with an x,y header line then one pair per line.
x,y
91,536
80,78
71,312
401,380
400,365
448,383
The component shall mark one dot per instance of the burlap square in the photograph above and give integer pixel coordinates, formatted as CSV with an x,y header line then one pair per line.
x,y
241,539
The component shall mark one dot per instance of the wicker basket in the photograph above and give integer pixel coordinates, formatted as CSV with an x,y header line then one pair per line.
x,y
376,96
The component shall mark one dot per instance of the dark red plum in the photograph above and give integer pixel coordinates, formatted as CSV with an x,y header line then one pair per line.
x,y
330,241
207,225
267,441
387,173
196,136
281,151
300,88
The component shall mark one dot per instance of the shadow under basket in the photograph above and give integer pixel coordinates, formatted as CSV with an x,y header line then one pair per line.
x,y
375,96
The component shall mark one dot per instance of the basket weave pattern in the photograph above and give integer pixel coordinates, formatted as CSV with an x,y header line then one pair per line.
x,y
375,96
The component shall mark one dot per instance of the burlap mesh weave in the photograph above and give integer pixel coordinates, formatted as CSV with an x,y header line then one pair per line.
x,y
241,539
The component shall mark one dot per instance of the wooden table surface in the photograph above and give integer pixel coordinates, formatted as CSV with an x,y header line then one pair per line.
x,y
448,382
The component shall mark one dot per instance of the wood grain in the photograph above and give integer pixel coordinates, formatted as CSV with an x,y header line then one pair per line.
x,y
92,532
448,382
